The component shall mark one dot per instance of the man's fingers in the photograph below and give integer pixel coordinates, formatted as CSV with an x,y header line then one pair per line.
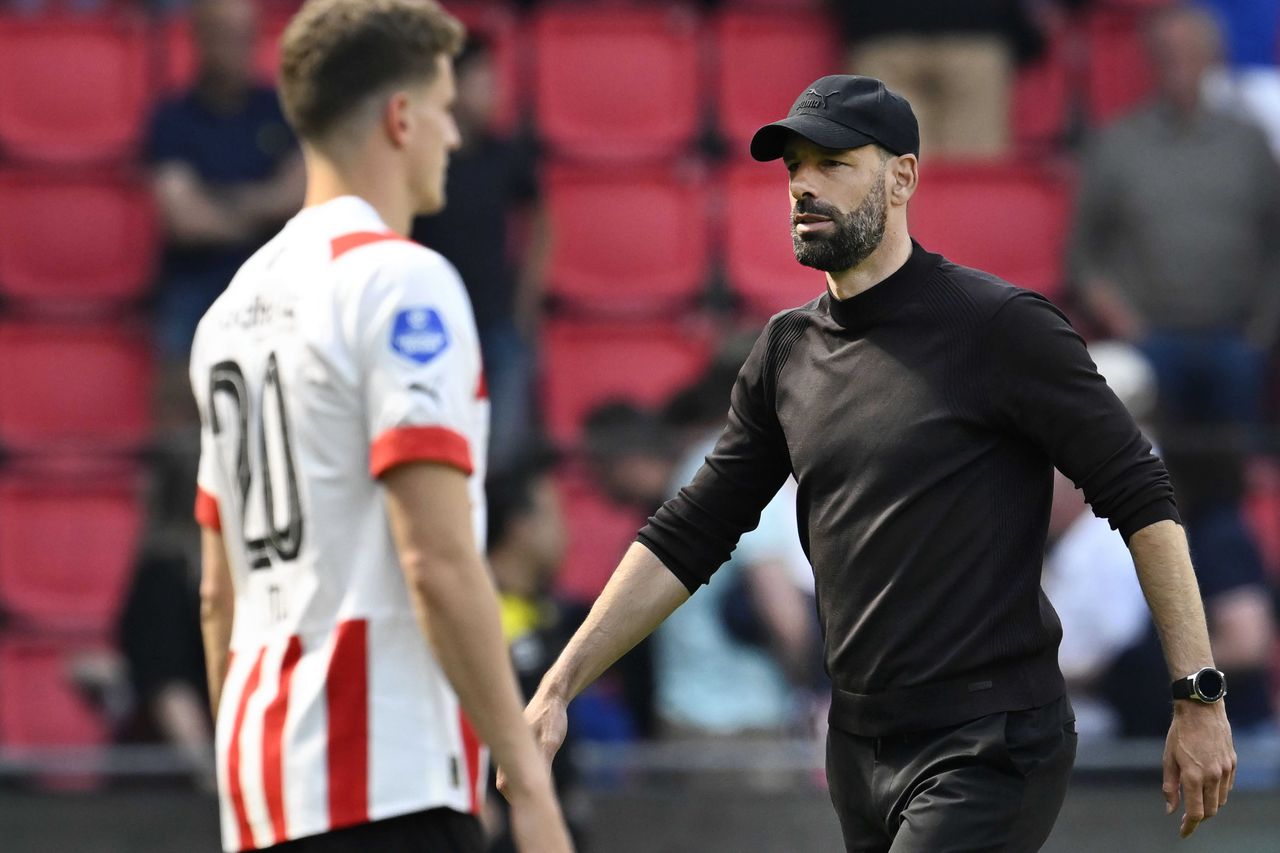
x,y
1170,783
1193,793
1224,786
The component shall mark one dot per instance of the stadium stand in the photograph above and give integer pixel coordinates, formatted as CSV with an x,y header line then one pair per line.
x,y
617,83
39,706
632,240
616,94
106,217
1117,77
589,363
599,533
1042,96
66,548
750,92
1007,219
74,387
73,89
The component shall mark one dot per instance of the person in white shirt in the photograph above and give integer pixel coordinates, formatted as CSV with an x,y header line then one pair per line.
x,y
355,658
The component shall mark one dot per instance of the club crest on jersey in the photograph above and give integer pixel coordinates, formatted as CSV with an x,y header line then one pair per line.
x,y
419,334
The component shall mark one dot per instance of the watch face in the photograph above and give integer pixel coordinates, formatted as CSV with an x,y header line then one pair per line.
x,y
1210,684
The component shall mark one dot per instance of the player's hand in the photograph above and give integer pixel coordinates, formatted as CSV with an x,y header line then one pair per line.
x,y
548,719
536,822
1200,760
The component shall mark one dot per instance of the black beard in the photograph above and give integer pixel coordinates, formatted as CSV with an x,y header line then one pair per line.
x,y
857,234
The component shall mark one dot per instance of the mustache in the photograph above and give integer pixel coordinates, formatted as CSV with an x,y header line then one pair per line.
x,y
814,207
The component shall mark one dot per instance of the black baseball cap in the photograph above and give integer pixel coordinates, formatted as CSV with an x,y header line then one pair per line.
x,y
844,111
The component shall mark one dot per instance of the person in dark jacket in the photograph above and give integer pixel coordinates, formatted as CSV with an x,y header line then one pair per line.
x,y
922,407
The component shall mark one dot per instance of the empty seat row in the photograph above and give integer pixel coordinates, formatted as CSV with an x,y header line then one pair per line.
x,y
607,83
645,239
626,241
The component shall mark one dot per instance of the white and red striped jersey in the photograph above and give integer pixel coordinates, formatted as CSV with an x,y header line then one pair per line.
x,y
338,351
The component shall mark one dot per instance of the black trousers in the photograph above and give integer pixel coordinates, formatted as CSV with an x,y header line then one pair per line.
x,y
991,785
431,831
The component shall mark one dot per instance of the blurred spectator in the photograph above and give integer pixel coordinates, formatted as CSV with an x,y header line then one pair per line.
x,y
739,657
1249,82
526,548
155,689
743,655
493,195
954,62
226,173
1177,234
630,455
1088,572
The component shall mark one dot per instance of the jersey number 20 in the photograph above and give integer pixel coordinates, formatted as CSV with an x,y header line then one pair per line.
x,y
282,541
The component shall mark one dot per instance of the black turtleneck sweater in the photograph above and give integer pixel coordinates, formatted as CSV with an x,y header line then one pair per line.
x,y
922,419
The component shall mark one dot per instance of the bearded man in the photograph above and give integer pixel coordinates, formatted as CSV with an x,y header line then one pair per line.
x,y
922,407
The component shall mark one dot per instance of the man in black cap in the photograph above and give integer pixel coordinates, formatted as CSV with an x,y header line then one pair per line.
x,y
922,407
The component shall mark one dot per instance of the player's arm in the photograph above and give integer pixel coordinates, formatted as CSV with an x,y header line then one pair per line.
x,y
456,602
1199,756
217,610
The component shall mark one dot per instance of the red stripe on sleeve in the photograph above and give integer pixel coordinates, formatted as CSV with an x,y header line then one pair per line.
x,y
347,694
233,757
419,444
339,246
471,754
207,514
273,742
482,387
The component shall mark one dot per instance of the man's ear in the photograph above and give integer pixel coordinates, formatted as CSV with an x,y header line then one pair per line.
x,y
396,119
903,175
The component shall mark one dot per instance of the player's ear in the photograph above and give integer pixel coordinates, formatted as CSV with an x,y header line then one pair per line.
x,y
397,118
903,176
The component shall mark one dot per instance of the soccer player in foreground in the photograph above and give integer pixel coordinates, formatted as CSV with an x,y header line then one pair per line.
x,y
355,657
922,407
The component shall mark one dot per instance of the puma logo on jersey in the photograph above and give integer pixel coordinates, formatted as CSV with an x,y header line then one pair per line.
x,y
419,334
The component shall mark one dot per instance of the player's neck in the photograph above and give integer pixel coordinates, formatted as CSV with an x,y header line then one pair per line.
x,y
327,180
894,251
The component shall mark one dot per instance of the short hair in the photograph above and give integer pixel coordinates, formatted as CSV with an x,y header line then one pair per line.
x,y
335,54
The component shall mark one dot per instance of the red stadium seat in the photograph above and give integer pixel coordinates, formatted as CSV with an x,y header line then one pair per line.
x,y
764,59
627,240
617,83
1042,97
496,24
759,259
599,533
39,705
72,89
587,364
67,548
1007,220
68,242
74,387
1119,76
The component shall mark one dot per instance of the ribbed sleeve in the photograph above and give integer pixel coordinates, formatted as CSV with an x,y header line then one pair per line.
x,y
695,532
1046,388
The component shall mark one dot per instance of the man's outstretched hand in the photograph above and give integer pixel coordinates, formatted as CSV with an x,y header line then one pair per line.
x,y
1199,762
548,719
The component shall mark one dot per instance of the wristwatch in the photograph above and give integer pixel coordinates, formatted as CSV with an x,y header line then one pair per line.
x,y
1207,685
